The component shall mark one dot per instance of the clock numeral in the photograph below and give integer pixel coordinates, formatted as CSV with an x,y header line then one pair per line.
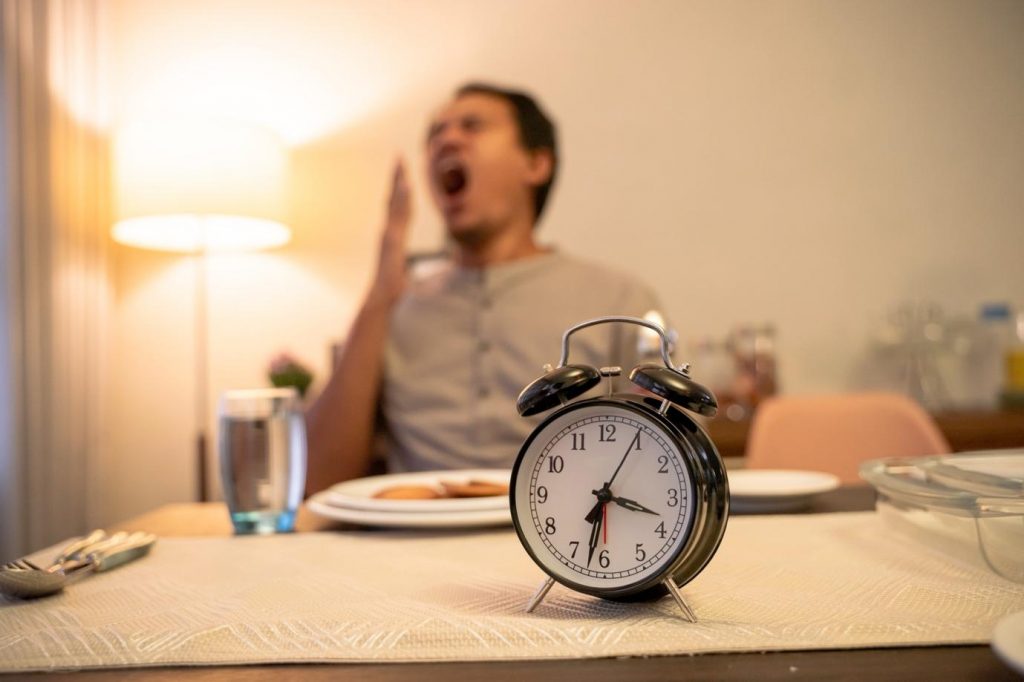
x,y
555,464
575,544
542,495
660,530
635,444
607,433
549,525
640,553
663,461
603,559
673,497
579,441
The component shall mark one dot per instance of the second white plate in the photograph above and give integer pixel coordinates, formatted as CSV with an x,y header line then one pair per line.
x,y
761,491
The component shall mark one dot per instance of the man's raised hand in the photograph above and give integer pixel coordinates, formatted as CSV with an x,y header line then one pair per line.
x,y
391,267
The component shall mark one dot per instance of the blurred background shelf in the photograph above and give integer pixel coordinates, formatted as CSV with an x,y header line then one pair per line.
x,y
968,430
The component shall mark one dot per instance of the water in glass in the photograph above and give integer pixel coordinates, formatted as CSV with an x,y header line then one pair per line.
x,y
262,458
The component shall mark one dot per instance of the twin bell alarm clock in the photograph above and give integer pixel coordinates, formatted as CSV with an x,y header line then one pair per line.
x,y
624,496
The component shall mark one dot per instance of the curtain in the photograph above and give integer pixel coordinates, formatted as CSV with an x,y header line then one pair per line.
x,y
57,270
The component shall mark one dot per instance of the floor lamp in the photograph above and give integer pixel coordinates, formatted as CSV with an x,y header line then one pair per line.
x,y
196,187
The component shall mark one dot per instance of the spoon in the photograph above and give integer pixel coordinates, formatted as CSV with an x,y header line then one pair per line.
x,y
16,579
26,580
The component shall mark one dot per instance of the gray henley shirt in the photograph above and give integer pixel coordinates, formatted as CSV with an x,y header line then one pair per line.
x,y
464,342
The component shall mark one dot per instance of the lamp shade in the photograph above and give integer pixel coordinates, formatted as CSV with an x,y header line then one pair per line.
x,y
194,185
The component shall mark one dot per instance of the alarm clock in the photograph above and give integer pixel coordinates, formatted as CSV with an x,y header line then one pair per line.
x,y
622,496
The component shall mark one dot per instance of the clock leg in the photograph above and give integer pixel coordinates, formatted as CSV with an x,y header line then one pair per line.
x,y
539,595
678,596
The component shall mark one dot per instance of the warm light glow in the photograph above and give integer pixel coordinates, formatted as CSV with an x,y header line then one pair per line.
x,y
189,185
269,84
305,74
191,233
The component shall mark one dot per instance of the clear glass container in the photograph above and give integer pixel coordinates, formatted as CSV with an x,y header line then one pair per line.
x,y
262,449
969,505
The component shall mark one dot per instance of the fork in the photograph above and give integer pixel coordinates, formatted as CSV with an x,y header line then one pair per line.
x,y
22,578
70,553
74,551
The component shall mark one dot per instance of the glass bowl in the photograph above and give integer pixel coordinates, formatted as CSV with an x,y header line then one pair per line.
x,y
970,505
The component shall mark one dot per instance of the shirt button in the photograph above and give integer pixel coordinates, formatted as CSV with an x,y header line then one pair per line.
x,y
483,392
484,345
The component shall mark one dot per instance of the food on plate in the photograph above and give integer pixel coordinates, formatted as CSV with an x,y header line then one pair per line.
x,y
474,488
443,490
408,492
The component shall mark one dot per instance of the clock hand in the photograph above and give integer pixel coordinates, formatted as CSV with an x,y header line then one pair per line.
x,y
626,503
595,531
635,441
633,505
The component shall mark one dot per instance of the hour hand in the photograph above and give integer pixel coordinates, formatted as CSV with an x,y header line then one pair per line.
x,y
633,505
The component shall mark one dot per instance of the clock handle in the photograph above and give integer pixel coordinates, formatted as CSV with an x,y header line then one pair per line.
x,y
565,382
666,358
673,384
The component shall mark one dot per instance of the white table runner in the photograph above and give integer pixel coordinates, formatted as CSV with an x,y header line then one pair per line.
x,y
783,582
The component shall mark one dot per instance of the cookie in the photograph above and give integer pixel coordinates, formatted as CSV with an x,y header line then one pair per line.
x,y
474,489
408,492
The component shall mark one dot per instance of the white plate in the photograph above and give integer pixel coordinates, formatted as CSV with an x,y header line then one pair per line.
x,y
1008,640
759,491
359,493
415,519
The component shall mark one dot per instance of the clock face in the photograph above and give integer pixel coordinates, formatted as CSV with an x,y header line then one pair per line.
x,y
603,498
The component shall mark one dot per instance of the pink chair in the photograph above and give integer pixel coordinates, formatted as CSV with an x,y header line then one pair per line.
x,y
835,433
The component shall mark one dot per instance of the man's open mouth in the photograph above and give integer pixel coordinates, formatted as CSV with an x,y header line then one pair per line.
x,y
452,176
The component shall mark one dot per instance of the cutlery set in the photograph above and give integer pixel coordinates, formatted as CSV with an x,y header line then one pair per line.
x,y
96,552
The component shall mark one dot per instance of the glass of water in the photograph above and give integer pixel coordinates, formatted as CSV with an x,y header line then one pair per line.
x,y
262,446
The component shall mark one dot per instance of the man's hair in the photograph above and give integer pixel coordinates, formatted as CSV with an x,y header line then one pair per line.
x,y
536,131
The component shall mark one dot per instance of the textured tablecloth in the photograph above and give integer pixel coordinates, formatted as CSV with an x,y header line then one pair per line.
x,y
778,582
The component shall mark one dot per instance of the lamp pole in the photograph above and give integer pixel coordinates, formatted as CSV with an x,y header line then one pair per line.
x,y
202,368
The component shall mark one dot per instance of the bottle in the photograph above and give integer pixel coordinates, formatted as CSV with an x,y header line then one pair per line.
x,y
1013,380
996,335
766,382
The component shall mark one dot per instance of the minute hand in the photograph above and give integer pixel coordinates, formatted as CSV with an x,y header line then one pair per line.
x,y
636,442
595,530
633,505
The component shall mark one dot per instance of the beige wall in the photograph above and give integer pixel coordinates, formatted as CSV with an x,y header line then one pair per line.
x,y
806,163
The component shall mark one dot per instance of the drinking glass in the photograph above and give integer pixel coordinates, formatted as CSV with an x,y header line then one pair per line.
x,y
262,447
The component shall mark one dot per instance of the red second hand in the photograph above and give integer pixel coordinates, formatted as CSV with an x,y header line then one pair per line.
x,y
604,522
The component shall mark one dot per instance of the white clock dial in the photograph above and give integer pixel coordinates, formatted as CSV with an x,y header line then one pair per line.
x,y
603,498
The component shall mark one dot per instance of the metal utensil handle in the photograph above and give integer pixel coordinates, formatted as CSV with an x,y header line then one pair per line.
x,y
108,542
126,549
616,318
84,560
80,546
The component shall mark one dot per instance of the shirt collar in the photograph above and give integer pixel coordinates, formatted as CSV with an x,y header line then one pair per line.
x,y
502,274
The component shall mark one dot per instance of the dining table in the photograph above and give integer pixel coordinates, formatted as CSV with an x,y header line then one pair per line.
x,y
965,662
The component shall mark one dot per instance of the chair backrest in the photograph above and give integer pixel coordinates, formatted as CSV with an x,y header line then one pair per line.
x,y
835,433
